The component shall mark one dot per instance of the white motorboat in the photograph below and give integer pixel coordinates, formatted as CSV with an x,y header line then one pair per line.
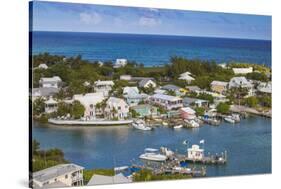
x,y
140,124
192,123
235,117
229,119
122,168
164,123
178,126
153,155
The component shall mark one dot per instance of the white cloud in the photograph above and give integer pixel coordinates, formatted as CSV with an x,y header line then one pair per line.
x,y
148,21
90,18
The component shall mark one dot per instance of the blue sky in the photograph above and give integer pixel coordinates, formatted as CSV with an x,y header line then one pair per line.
x,y
50,16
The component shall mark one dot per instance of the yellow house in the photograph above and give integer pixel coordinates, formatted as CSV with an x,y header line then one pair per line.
x,y
219,86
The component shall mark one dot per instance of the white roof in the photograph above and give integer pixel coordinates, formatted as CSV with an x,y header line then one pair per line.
x,y
239,81
51,101
129,90
242,70
188,110
89,98
44,66
55,171
222,83
166,97
102,179
115,101
98,83
51,79
265,87
186,77
185,74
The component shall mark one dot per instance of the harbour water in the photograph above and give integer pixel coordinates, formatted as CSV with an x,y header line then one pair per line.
x,y
248,144
151,50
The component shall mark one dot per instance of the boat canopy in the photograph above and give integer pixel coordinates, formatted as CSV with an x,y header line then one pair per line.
x,y
151,150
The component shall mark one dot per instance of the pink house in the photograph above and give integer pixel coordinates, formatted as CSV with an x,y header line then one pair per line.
x,y
187,113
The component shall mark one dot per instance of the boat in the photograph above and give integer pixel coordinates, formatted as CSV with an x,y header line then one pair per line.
x,y
211,121
235,117
192,123
164,123
152,154
122,168
229,119
178,126
140,124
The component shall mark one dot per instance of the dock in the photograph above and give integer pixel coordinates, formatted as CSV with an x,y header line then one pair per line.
x,y
98,122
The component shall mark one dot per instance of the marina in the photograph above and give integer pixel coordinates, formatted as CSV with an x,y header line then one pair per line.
x,y
250,138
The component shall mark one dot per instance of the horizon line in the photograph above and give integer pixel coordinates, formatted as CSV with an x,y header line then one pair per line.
x,y
155,34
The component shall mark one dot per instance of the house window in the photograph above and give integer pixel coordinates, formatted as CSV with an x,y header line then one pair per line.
x,y
66,176
119,107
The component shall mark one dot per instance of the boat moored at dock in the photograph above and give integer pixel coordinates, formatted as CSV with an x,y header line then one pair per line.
x,y
140,125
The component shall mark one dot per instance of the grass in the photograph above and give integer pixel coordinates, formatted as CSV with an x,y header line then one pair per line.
x,y
87,174
146,175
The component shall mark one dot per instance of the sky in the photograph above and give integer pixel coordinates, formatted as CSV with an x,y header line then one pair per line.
x,y
53,16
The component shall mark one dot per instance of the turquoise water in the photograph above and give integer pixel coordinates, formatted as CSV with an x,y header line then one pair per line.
x,y
248,144
151,50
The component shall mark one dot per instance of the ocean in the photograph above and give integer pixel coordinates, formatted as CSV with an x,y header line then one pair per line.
x,y
150,50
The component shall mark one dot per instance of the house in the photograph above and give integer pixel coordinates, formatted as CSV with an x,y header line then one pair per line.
x,y
264,87
195,153
133,96
43,66
172,88
218,98
159,91
126,77
166,101
146,83
187,113
223,65
116,108
103,86
61,175
186,76
102,179
242,71
89,101
54,82
193,88
145,110
219,86
120,63
44,92
242,82
187,101
51,105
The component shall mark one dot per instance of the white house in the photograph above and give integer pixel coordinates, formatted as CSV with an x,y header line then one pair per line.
x,y
186,76
126,77
46,82
237,82
43,66
43,92
89,101
195,153
51,105
133,96
116,108
120,63
103,86
242,71
146,83
166,101
59,176
264,87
